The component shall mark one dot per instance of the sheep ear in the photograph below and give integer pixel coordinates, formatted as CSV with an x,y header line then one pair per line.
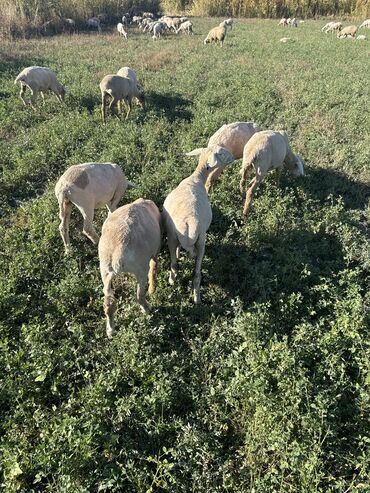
x,y
130,185
225,156
195,152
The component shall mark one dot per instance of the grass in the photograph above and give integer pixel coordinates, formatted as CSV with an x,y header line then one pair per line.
x,y
263,388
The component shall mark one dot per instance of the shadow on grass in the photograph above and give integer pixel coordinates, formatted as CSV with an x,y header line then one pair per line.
x,y
173,106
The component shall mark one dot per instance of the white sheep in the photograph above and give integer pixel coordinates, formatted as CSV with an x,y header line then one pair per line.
x,y
187,213
227,23
130,242
232,137
349,31
264,151
158,29
125,20
39,79
121,30
217,34
130,73
361,37
89,186
95,23
119,88
186,27
365,24
327,25
335,26
283,22
293,22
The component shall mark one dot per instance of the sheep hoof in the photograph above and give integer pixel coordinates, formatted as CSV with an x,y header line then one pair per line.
x,y
110,333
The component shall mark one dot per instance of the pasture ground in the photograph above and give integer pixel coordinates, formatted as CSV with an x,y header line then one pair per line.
x,y
263,388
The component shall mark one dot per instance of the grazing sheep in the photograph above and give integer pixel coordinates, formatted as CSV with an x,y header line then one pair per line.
x,y
283,22
184,19
264,151
187,213
137,19
361,37
217,34
227,23
130,242
327,25
39,79
88,186
293,22
94,23
335,26
121,30
348,31
365,24
125,21
148,15
118,88
232,137
130,73
68,24
158,29
186,27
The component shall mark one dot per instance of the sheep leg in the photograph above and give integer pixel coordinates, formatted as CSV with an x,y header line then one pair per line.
x,y
152,278
278,175
200,247
109,305
129,106
22,93
141,293
212,178
65,209
173,248
244,172
250,193
33,98
88,227
113,106
104,101
43,98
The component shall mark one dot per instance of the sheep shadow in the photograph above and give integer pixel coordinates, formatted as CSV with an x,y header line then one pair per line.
x,y
172,105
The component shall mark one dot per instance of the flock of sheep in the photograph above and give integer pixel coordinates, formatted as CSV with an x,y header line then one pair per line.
x,y
345,32
130,240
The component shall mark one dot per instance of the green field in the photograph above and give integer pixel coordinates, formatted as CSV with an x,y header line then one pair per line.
x,y
263,388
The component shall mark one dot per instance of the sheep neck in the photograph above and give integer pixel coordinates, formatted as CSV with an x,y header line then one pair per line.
x,y
201,172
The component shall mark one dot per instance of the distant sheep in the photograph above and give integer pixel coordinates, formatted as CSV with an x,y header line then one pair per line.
x,y
327,25
39,79
125,20
94,23
119,88
361,37
187,213
232,137
121,30
227,23
335,26
293,22
284,40
158,29
365,24
264,151
215,35
89,186
283,22
186,27
130,242
349,31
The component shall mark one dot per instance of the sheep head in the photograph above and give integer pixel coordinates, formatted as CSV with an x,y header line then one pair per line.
x,y
212,157
298,167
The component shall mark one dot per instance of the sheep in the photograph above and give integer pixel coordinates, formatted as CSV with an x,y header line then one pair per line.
x,y
232,137
361,37
88,186
130,242
217,34
283,22
130,73
365,24
125,20
94,22
184,19
293,22
335,26
347,31
187,27
284,40
39,79
158,29
68,24
264,151
227,23
121,30
137,19
187,213
119,88
327,25
148,15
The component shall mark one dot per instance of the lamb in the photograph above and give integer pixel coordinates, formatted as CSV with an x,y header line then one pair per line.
x,y
187,213
94,22
217,34
187,27
118,88
348,31
365,24
89,186
264,151
121,30
232,137
335,26
130,242
39,79
283,22
227,23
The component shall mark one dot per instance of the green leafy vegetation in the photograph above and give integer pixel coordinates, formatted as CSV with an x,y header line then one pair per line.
x,y
264,387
